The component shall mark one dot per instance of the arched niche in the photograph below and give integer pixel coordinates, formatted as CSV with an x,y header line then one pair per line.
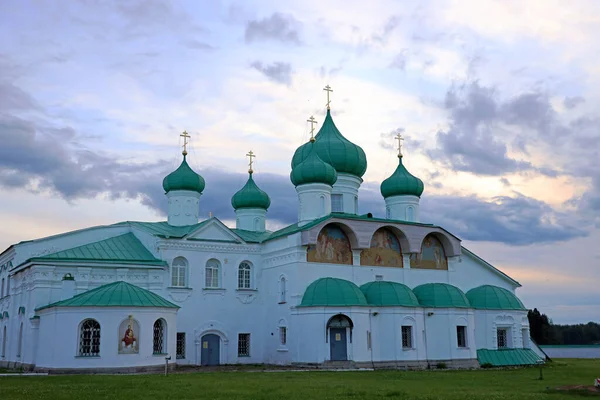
x,y
432,255
385,250
129,332
333,246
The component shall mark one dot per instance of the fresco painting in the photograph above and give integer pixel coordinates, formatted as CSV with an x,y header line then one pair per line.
x,y
128,336
385,250
432,255
332,247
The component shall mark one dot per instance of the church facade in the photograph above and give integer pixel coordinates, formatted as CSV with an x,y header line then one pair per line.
x,y
335,289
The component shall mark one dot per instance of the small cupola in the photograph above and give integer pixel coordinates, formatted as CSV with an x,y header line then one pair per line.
x,y
251,204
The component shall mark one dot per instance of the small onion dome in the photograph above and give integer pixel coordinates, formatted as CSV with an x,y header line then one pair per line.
x,y
183,178
313,169
488,297
401,183
441,295
384,293
336,292
335,149
250,196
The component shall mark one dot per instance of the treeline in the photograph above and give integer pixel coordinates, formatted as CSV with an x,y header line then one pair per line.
x,y
543,331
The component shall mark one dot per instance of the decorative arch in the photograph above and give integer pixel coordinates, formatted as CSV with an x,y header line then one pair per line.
x,y
129,334
340,321
432,255
385,250
333,246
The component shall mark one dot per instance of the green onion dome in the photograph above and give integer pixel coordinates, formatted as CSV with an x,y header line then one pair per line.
x,y
488,297
333,148
312,169
250,196
183,178
401,183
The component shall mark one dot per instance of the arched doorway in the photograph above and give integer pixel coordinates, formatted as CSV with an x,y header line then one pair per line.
x,y
340,334
211,348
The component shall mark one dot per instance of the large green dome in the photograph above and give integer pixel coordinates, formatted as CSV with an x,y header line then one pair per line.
x,y
488,297
383,293
250,196
183,178
401,183
332,292
441,295
312,169
333,148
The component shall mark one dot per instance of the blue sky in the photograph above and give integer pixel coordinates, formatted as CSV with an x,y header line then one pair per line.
x,y
497,101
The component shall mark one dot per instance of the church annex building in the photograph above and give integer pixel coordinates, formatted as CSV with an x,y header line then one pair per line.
x,y
334,289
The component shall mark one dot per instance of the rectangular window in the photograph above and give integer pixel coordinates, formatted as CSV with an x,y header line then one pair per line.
x,y
244,345
283,335
502,339
407,337
178,278
180,351
337,204
461,336
212,277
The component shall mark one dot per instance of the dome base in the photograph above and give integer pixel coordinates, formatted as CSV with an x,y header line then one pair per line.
x,y
183,207
314,201
402,208
344,195
250,219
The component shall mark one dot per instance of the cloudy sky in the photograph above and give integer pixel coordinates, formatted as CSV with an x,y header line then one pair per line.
x,y
497,101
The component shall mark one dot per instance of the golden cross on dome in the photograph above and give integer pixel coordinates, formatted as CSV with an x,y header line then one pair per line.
x,y
185,137
312,121
250,155
400,139
328,89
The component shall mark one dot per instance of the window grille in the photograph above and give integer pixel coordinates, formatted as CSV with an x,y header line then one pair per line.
x,y
179,272
89,338
180,351
159,333
244,345
337,203
502,339
212,274
461,336
407,337
283,335
244,272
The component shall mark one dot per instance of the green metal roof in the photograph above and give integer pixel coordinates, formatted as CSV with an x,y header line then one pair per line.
x,y
333,148
312,169
183,178
488,297
401,182
250,196
116,294
163,229
384,293
507,357
252,236
441,295
123,249
332,292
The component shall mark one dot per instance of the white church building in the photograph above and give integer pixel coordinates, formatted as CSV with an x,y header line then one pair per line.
x,y
335,289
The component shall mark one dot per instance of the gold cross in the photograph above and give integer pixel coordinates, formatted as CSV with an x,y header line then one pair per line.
x,y
400,139
250,155
312,121
185,137
328,89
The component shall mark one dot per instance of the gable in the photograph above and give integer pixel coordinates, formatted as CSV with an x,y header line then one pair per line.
x,y
214,231
480,272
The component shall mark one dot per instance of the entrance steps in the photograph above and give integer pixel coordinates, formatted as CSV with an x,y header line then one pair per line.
x,y
339,365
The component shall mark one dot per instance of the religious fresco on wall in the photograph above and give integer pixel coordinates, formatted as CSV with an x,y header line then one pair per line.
x,y
384,251
332,247
128,336
432,255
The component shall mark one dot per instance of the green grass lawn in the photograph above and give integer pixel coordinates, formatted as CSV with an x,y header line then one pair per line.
x,y
488,384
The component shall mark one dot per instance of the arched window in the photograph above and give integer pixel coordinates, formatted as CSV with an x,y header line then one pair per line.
x,y
244,275
333,246
322,202
387,213
282,333
20,342
282,290
257,224
212,272
432,255
384,250
4,342
179,270
89,338
410,214
159,338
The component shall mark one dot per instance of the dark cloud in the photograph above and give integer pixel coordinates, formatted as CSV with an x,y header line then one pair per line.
x,y
13,98
390,25
279,72
278,27
399,62
572,102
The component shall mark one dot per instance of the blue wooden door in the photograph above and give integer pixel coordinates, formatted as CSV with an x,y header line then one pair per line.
x,y
337,343
210,349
